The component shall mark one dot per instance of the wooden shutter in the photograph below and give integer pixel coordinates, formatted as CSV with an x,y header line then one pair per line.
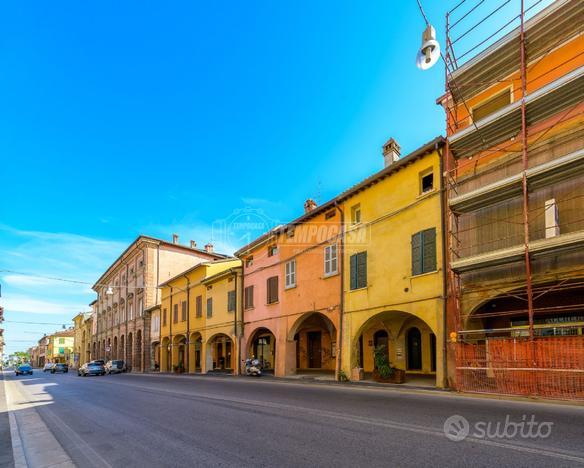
x,y
353,271
362,270
248,297
175,315
199,306
429,250
230,301
210,307
183,311
272,289
164,318
417,254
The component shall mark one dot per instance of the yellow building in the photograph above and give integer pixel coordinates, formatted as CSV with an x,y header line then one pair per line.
x,y
392,265
201,319
82,337
60,347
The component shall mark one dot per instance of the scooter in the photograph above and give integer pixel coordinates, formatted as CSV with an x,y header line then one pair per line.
x,y
252,367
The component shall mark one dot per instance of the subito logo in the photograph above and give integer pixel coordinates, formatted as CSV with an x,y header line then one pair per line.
x,y
456,428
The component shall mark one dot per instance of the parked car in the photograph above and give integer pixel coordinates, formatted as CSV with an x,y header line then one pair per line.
x,y
117,366
48,367
91,368
23,369
64,368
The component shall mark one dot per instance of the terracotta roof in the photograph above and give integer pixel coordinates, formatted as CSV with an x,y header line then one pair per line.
x,y
160,242
228,259
382,174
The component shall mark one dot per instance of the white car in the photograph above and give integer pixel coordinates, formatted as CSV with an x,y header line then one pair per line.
x,y
49,366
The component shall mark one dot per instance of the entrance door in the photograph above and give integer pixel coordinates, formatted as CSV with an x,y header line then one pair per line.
x,y
314,348
227,364
220,358
414,349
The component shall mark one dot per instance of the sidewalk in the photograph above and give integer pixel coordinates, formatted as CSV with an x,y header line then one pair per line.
x,y
6,457
301,379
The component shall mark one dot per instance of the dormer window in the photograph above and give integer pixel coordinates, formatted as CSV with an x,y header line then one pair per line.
x,y
272,250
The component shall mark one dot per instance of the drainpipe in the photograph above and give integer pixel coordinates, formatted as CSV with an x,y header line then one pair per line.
x,y
237,334
342,288
443,205
170,317
188,324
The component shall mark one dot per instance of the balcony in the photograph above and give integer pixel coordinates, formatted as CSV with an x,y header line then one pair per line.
x,y
505,124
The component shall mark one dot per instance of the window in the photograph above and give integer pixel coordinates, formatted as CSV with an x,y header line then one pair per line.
x,y
199,306
130,311
209,307
290,274
424,252
358,269
183,312
230,301
492,105
272,284
249,261
139,311
330,260
164,318
272,250
61,340
248,297
356,214
175,313
427,181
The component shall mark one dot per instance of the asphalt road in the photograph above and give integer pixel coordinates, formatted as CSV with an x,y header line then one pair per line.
x,y
155,421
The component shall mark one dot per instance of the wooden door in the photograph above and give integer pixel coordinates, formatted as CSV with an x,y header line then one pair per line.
x,y
314,350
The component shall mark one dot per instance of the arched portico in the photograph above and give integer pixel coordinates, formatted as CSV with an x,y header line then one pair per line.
x,y
129,351
262,345
179,350
220,353
138,352
409,342
121,349
196,351
115,350
165,361
314,337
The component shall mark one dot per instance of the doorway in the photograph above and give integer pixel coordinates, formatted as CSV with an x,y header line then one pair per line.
x,y
314,350
414,349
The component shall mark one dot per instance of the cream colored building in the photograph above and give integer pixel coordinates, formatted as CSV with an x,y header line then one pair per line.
x,y
128,291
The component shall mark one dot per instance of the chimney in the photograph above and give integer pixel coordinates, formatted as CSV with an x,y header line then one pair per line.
x,y
391,151
309,205
175,238
209,247
193,244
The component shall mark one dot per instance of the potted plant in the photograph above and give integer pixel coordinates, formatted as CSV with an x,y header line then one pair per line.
x,y
384,371
179,369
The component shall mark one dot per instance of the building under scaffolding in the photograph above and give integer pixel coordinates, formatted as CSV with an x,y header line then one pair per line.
x,y
514,171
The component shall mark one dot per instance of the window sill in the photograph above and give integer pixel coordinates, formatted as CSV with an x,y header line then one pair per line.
x,y
272,303
292,286
330,275
359,289
249,308
427,194
428,273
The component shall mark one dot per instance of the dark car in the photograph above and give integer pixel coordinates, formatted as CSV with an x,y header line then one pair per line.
x,y
23,369
91,368
59,367
117,366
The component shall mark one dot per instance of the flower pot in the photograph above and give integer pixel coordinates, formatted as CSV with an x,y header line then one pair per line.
x,y
356,374
398,377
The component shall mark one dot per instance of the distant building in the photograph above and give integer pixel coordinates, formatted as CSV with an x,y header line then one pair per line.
x,y
127,293
60,347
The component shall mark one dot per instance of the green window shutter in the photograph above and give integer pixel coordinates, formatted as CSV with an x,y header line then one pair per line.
x,y
417,254
210,307
362,270
231,301
429,248
353,272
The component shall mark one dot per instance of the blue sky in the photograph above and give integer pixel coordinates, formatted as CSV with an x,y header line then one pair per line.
x,y
121,118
